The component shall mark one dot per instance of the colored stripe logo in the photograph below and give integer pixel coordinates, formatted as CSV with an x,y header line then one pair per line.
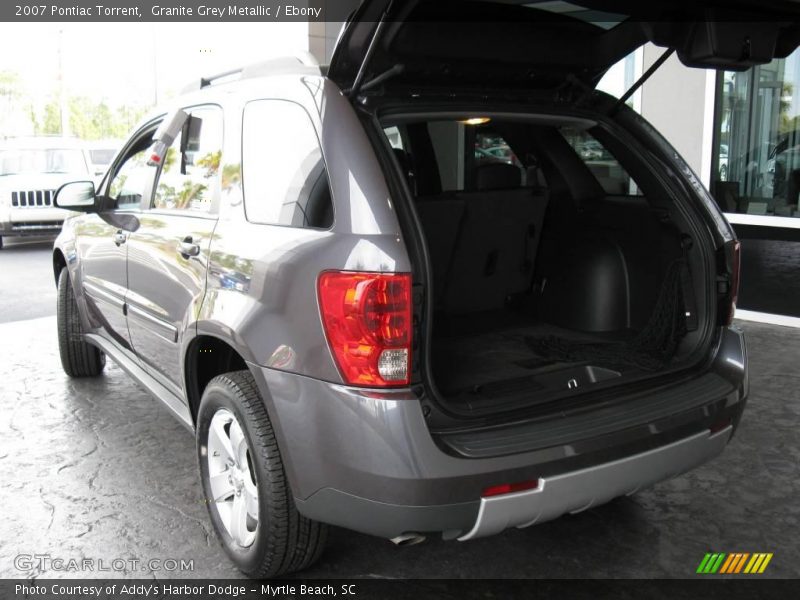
x,y
734,563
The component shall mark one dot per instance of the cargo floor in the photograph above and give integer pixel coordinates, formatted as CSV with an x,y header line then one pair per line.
x,y
491,353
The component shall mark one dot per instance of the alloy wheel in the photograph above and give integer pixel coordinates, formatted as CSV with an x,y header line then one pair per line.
x,y
232,479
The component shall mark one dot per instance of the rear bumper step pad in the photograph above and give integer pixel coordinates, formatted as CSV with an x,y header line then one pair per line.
x,y
579,490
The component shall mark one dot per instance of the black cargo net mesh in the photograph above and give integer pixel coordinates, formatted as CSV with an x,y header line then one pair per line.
x,y
651,349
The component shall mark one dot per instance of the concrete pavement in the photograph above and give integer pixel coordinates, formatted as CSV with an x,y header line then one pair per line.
x,y
27,285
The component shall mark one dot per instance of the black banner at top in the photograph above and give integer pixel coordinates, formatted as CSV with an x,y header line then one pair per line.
x,y
175,10
604,13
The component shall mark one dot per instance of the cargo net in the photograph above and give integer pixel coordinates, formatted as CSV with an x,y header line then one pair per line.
x,y
650,350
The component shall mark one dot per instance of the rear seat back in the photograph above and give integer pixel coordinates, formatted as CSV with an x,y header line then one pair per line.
x,y
496,248
441,220
483,244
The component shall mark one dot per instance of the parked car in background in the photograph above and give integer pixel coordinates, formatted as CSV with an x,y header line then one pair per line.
x,y
723,162
100,153
591,150
31,170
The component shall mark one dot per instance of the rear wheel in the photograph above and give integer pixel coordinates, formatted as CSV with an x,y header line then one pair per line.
x,y
78,358
247,494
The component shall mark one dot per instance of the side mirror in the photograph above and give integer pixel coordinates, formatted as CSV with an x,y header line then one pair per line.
x,y
76,195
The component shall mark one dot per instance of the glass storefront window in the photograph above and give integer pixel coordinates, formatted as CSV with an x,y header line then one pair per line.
x,y
756,164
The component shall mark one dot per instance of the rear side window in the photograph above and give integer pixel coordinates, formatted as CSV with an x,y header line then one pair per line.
x,y
284,177
614,179
491,148
459,155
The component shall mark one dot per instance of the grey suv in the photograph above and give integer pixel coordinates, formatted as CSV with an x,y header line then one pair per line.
x,y
365,326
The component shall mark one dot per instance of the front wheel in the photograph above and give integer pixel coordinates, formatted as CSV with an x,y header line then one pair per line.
x,y
245,486
78,358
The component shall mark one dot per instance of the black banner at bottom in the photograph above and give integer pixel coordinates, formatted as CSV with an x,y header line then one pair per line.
x,y
402,589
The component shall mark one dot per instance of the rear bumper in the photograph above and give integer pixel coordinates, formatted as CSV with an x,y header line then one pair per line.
x,y
366,460
32,221
41,228
580,490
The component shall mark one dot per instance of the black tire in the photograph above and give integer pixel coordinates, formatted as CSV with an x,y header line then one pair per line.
x,y
285,541
1,242
78,358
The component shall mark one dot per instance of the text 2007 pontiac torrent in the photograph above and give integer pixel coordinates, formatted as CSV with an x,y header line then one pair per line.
x,y
442,287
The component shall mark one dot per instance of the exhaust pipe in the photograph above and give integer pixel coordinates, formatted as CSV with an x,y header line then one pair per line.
x,y
408,539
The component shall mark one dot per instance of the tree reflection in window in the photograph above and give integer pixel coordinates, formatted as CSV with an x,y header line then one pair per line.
x,y
189,176
129,181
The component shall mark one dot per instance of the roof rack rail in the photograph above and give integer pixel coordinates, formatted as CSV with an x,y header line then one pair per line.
x,y
273,66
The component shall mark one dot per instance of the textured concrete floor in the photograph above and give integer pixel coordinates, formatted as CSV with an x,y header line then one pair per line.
x,y
97,469
27,288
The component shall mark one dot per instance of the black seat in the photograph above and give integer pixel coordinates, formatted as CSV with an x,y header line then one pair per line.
x,y
497,242
441,221
406,164
495,176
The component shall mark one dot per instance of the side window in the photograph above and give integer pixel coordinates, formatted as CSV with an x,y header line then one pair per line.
x,y
189,179
611,175
459,155
284,177
130,181
491,148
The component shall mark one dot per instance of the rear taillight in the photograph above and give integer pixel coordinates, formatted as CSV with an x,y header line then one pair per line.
x,y
733,259
367,320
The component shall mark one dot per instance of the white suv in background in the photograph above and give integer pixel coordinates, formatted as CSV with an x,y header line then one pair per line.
x,y
31,170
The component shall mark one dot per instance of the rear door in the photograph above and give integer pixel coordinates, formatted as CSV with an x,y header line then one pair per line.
x,y
543,45
168,253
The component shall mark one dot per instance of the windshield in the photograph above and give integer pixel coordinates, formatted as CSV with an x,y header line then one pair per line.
x,y
55,160
102,156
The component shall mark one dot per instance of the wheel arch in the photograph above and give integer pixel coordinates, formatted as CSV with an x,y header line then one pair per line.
x,y
207,356
59,263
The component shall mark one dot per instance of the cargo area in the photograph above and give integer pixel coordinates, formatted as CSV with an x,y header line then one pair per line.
x,y
553,271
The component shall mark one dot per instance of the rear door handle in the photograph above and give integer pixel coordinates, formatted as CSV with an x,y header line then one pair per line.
x,y
188,248
120,237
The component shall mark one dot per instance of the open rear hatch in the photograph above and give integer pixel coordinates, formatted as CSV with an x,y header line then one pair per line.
x,y
558,261
524,43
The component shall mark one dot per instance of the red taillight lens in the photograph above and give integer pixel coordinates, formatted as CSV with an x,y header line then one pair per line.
x,y
720,425
367,320
509,488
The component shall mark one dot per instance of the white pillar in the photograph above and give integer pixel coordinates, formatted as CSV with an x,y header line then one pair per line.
x,y
322,39
679,102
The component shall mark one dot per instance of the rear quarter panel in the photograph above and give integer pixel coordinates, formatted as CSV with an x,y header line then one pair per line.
x,y
262,279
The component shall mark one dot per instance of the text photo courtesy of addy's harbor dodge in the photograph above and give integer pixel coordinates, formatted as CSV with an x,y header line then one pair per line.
x,y
156,590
